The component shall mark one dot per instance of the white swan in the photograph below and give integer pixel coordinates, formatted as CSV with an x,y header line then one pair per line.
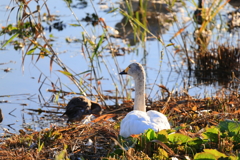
x,y
138,120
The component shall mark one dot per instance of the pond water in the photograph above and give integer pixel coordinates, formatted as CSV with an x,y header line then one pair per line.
x,y
24,86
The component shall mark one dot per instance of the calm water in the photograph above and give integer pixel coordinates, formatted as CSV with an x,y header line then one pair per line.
x,y
22,83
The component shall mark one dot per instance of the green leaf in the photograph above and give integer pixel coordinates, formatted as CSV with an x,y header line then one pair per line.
x,y
230,126
162,136
14,36
83,72
161,154
113,10
215,152
51,36
98,45
195,142
204,156
90,42
150,134
65,73
178,138
212,134
209,154
170,44
75,25
31,50
40,146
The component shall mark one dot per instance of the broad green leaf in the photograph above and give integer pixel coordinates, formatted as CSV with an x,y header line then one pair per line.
x,y
178,138
150,134
212,134
204,156
215,152
230,126
197,142
233,158
162,136
236,138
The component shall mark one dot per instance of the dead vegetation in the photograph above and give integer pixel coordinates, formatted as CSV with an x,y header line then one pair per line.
x,y
187,115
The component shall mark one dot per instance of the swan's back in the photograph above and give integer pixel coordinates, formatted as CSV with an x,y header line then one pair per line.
x,y
159,119
137,122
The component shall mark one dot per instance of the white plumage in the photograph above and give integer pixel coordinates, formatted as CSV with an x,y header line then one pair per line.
x,y
138,120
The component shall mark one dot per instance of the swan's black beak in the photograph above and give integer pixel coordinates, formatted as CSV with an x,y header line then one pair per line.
x,y
123,72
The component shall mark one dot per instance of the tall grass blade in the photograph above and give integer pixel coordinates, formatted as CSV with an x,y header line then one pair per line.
x,y
10,40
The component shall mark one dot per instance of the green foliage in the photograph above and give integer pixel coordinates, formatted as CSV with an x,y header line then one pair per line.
x,y
212,134
230,127
209,154
212,144
62,154
177,138
162,136
31,51
161,154
26,29
149,135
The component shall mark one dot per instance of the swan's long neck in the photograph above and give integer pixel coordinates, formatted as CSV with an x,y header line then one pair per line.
x,y
139,102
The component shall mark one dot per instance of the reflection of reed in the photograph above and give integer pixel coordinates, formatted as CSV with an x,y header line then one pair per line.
x,y
155,16
234,3
217,65
1,115
233,20
202,38
197,16
234,16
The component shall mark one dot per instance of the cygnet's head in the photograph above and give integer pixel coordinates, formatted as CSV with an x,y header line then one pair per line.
x,y
135,70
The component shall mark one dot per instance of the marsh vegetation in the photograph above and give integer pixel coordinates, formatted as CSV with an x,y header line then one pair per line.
x,y
190,51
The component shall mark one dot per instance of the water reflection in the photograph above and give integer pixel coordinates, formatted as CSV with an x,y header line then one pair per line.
x,y
216,64
155,15
234,3
219,65
234,16
197,16
1,115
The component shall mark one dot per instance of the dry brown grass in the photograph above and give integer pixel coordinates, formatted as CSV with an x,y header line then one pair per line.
x,y
184,113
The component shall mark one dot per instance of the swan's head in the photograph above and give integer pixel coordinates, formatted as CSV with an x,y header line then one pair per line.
x,y
135,70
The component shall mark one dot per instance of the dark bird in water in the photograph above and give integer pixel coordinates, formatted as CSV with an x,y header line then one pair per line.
x,y
234,3
1,116
78,107
197,16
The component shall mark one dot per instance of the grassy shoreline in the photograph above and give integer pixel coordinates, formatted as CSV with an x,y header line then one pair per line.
x,y
196,125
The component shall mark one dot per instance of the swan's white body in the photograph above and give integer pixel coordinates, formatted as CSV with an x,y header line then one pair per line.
x,y
138,120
